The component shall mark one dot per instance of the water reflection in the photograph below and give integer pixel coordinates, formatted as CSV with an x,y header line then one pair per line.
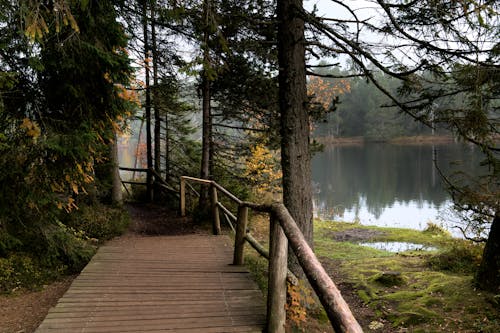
x,y
386,185
398,246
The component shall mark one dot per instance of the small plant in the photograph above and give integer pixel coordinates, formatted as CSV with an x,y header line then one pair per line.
x,y
434,229
461,257
19,271
299,303
98,222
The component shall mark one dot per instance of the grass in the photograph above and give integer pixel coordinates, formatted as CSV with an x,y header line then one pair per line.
x,y
434,292
410,291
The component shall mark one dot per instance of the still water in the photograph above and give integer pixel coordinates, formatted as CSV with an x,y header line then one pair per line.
x,y
388,185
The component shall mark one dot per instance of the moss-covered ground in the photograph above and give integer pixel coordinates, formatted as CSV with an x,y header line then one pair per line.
x,y
410,291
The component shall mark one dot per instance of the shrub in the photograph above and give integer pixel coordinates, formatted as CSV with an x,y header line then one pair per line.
x,y
19,271
435,229
99,221
61,247
461,257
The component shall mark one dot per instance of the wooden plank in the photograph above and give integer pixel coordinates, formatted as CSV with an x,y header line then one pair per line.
x,y
160,284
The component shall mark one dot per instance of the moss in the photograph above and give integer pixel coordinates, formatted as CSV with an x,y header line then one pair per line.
x,y
258,267
390,279
428,297
459,257
364,296
345,250
408,318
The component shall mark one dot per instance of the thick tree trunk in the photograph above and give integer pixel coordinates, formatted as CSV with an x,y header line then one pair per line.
x,y
488,275
149,178
295,153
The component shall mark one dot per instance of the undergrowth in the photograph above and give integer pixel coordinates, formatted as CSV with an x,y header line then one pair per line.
x,y
32,257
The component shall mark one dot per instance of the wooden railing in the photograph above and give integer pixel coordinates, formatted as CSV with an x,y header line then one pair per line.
x,y
284,232
158,180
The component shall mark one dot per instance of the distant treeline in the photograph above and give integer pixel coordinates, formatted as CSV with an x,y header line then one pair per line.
x,y
362,110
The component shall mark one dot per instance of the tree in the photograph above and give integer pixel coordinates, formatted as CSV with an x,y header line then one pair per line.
x,y
207,75
147,106
295,126
441,52
60,114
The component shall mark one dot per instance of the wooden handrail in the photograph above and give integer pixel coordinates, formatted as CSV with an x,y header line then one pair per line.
x,y
283,232
335,306
133,169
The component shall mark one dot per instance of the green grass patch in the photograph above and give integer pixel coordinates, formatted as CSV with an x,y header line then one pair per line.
x,y
418,291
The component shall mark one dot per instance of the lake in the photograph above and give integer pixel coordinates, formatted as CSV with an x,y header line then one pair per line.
x,y
388,185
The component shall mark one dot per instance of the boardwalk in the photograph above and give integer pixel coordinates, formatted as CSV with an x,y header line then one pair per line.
x,y
160,284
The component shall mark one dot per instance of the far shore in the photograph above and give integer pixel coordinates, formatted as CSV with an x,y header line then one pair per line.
x,y
403,140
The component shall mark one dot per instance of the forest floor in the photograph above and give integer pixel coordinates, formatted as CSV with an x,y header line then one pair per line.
x,y
23,310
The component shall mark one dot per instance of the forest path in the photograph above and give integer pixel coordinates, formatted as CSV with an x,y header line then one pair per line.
x,y
176,283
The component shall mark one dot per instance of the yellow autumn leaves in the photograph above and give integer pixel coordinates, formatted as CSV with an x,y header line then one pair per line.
x,y
35,13
323,92
73,181
263,170
31,127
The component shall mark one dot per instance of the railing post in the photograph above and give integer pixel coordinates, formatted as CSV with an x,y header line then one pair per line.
x,y
239,239
276,294
215,210
183,197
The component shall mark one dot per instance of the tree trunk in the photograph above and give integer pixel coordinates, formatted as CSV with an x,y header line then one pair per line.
x,y
157,125
137,148
206,127
116,191
488,275
167,148
205,153
149,178
295,153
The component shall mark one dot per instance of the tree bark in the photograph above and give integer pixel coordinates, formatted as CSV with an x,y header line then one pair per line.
x,y
295,153
157,124
149,178
206,126
167,148
488,275
116,191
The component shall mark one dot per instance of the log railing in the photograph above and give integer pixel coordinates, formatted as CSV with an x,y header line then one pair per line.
x,y
283,232
159,181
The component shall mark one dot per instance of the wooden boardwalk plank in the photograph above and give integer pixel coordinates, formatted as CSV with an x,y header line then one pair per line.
x,y
160,284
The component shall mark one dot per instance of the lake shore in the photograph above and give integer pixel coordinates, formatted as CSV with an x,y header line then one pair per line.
x,y
408,290
402,140
427,289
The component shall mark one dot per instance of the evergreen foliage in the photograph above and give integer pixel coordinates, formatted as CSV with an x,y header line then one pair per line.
x,y
62,96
